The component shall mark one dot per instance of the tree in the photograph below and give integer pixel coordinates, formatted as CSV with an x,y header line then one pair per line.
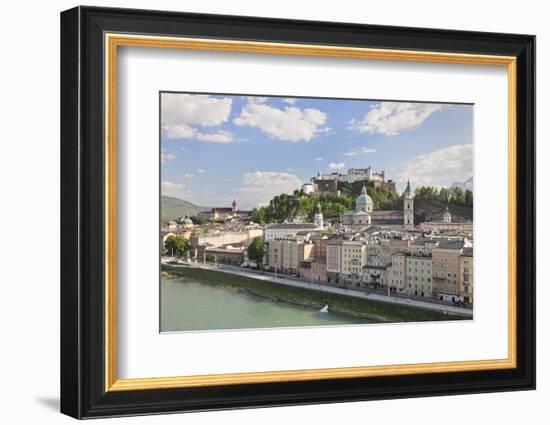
x,y
256,250
444,195
258,215
457,196
177,245
469,198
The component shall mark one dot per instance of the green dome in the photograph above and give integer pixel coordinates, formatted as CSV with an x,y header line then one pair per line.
x,y
363,199
188,221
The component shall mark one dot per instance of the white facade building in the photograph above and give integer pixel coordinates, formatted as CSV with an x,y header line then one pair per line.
x,y
280,231
354,258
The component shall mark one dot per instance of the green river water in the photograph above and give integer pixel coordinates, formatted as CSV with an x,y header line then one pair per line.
x,y
187,305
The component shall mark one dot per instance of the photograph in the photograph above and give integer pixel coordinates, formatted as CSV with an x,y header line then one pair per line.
x,y
281,210
285,211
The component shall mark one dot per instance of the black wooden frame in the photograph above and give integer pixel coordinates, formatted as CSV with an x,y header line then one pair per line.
x,y
82,204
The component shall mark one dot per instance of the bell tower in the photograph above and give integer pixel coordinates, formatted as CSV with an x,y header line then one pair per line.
x,y
318,218
408,208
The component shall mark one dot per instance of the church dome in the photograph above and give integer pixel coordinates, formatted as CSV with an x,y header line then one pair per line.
x,y
363,199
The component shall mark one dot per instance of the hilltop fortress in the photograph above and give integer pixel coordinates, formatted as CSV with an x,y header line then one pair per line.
x,y
328,183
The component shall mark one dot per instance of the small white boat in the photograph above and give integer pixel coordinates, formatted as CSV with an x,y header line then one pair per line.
x,y
324,309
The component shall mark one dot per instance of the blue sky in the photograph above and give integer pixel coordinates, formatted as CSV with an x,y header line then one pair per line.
x,y
216,148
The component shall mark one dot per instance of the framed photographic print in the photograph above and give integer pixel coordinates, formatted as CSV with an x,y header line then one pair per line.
x,y
261,212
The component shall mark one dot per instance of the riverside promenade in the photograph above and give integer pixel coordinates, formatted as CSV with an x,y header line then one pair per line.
x,y
442,308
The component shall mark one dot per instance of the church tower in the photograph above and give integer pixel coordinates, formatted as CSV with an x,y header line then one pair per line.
x,y
446,215
318,218
408,208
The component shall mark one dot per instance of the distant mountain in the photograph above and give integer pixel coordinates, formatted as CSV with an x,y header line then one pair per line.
x,y
173,208
465,185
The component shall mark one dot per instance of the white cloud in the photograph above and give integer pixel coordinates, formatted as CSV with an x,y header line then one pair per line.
x,y
178,131
290,100
438,168
318,159
188,175
336,165
166,156
256,99
290,124
361,151
391,118
180,112
218,137
259,187
176,190
201,170
194,109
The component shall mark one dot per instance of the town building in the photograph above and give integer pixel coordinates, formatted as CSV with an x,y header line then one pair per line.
x,y
374,276
418,276
314,270
283,230
446,269
319,241
446,225
396,273
285,255
219,238
380,253
422,247
227,254
354,258
334,260
225,213
452,228
466,289
387,218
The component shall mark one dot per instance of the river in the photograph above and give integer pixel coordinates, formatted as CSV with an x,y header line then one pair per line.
x,y
187,305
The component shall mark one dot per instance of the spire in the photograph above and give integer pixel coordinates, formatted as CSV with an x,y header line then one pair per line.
x,y
319,207
364,190
408,188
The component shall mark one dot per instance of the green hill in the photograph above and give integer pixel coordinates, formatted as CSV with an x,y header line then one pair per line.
x,y
432,210
173,208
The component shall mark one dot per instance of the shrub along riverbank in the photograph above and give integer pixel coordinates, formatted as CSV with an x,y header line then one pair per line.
x,y
370,310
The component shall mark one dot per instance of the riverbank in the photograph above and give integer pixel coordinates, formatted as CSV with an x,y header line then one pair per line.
x,y
369,310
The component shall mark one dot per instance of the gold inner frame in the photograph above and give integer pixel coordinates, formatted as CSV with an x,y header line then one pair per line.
x,y
113,41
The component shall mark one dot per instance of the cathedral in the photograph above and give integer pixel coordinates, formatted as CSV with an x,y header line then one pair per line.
x,y
365,216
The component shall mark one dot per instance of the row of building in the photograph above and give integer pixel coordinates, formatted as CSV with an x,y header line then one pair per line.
x,y
365,248
440,268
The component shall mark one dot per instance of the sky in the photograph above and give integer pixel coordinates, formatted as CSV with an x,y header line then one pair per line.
x,y
217,148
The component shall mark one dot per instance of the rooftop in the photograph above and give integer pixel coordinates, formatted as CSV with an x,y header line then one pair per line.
x,y
468,252
302,226
450,243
